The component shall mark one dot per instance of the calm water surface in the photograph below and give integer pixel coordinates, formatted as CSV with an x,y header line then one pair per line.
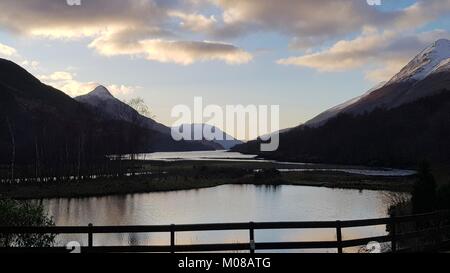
x,y
229,203
226,156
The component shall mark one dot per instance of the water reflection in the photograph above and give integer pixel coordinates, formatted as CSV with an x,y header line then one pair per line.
x,y
227,156
229,203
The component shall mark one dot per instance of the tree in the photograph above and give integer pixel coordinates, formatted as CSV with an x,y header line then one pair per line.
x,y
424,192
24,213
13,147
137,133
139,105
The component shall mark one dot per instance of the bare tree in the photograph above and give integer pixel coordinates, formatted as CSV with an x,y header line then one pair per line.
x,y
80,150
139,105
13,147
37,165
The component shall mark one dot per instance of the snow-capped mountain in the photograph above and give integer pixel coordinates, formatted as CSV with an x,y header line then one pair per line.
x,y
226,141
443,66
425,63
424,75
106,105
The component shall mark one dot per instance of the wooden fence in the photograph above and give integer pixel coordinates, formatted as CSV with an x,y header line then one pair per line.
x,y
424,232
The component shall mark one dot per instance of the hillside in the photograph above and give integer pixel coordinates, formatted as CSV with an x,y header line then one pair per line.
x,y
44,126
101,102
397,123
395,137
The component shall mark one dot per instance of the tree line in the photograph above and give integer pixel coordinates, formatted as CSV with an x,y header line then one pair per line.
x,y
43,149
398,137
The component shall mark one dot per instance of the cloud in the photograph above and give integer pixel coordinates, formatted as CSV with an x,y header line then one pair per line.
x,y
386,71
13,54
194,22
58,76
179,52
139,28
66,82
121,90
62,80
306,19
7,51
56,19
163,31
32,65
311,22
388,51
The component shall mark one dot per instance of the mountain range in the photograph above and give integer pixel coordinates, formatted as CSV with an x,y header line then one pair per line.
x,y
422,76
398,122
39,123
395,123
44,124
104,104
224,140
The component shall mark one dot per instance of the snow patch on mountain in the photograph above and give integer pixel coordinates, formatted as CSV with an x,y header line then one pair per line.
x,y
443,66
332,112
425,63
110,107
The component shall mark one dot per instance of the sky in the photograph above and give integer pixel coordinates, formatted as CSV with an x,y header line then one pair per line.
x,y
304,55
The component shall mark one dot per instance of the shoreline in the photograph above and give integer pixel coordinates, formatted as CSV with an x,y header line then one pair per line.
x,y
178,182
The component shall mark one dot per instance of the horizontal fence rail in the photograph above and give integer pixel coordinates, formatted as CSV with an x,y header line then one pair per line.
x,y
436,225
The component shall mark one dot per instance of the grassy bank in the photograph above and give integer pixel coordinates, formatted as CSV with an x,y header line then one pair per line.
x,y
173,176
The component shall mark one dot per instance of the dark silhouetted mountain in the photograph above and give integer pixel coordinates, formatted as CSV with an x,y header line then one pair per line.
x,y
421,77
102,102
47,127
106,106
404,121
400,136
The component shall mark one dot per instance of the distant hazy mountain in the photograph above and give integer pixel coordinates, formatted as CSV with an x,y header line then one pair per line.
x,y
227,141
400,122
423,76
105,105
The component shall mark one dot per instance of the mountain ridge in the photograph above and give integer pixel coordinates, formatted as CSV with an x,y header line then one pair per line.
x,y
105,104
227,141
402,122
401,88
102,102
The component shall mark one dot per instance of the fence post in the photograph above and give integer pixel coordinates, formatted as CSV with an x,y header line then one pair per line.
x,y
90,236
172,238
339,236
393,233
252,238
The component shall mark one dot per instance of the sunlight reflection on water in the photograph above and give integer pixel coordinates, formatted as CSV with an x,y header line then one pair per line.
x,y
229,203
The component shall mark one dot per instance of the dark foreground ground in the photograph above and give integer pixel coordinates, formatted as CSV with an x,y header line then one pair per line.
x,y
172,176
